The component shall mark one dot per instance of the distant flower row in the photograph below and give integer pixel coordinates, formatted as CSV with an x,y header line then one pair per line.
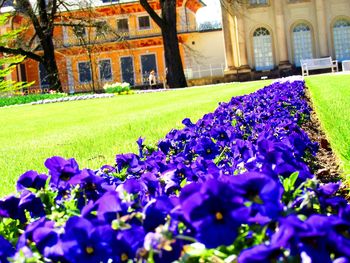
x,y
235,186
117,87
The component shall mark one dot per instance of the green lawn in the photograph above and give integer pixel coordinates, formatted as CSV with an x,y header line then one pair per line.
x,y
93,131
331,99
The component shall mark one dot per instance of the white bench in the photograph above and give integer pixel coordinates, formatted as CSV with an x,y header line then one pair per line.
x,y
346,65
318,63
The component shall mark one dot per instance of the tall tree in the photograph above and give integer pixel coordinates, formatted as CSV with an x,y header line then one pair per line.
x,y
8,63
41,16
167,23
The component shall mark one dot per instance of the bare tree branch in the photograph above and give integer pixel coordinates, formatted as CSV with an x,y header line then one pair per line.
x,y
156,18
54,8
20,51
25,7
31,41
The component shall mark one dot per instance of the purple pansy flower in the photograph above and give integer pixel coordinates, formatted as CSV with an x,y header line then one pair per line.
x,y
31,179
84,242
15,208
9,208
42,233
140,144
263,192
164,249
156,212
260,253
215,210
6,250
109,207
206,148
61,171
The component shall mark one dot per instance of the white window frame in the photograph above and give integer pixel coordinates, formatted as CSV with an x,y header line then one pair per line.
x,y
345,55
65,35
258,2
138,22
99,69
123,18
296,49
272,62
96,33
83,82
297,1
84,33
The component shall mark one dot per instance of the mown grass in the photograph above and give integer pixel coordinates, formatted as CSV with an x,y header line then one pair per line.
x,y
93,131
331,100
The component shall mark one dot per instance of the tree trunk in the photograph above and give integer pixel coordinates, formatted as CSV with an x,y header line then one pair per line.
x,y
52,71
175,73
167,23
49,62
92,71
42,20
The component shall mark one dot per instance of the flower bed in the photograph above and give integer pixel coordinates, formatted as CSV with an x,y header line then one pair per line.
x,y
235,186
119,88
20,99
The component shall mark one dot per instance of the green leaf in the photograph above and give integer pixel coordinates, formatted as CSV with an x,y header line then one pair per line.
x,y
183,183
293,178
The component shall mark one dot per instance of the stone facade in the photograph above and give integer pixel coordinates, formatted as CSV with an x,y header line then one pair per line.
x,y
269,37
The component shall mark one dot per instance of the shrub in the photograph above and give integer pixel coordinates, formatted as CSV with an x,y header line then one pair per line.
x,y
117,87
23,99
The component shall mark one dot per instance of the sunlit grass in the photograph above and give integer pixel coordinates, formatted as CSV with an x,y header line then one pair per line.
x,y
331,99
93,131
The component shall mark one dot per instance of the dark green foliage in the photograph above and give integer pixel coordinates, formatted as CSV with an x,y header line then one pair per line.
x,y
7,101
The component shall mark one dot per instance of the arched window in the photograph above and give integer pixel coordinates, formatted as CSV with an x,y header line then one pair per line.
x,y
258,2
262,42
341,35
302,42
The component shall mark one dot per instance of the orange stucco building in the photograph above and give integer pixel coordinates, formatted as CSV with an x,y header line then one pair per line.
x,y
130,49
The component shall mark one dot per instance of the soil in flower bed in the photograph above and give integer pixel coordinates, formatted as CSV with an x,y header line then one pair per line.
x,y
325,165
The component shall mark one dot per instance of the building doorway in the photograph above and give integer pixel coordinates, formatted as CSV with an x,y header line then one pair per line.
x,y
44,80
263,55
127,69
302,42
148,63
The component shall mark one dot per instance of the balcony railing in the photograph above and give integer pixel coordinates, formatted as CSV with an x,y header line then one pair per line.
x,y
115,36
208,26
204,71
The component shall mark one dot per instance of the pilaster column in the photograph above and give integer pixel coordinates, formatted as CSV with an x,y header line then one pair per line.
x,y
65,35
70,75
228,31
234,40
242,47
321,28
281,34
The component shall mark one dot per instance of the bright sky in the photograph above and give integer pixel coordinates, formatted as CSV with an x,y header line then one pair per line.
x,y
211,12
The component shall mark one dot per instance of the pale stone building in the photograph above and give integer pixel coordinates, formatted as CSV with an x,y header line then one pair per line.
x,y
269,37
